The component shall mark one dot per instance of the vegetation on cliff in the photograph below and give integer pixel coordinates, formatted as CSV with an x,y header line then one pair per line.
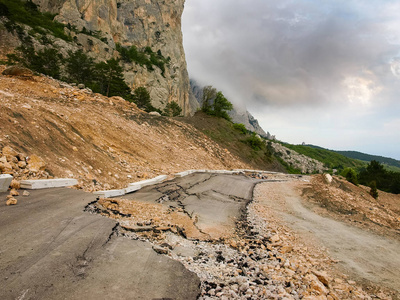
x,y
235,141
105,77
331,159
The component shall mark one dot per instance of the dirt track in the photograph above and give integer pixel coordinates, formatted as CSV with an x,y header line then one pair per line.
x,y
362,254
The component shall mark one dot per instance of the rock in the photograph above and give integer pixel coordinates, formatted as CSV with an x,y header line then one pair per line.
x,y
15,184
8,151
328,178
12,201
14,193
6,168
21,156
156,24
160,250
316,285
275,238
18,71
155,113
36,164
322,276
26,193
22,164
81,86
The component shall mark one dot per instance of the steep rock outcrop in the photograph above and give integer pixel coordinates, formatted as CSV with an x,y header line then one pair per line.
x,y
237,115
140,23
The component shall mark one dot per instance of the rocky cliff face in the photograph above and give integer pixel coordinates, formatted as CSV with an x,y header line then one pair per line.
x,y
237,115
140,23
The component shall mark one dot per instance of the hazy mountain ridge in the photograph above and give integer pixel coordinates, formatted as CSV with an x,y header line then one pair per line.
x,y
364,156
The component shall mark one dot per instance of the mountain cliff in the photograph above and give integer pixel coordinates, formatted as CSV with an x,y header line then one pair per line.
x,y
102,27
237,115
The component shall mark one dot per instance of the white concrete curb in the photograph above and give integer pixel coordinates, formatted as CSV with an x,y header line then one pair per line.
x,y
5,181
132,187
47,183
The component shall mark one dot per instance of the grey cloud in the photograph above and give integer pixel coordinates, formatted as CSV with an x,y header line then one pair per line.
x,y
297,53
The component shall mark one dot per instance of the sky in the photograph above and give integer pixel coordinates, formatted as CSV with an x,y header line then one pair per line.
x,y
321,72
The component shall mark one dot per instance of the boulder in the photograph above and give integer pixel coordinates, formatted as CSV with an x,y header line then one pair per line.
x,y
14,193
18,71
154,113
5,168
36,164
12,201
15,184
8,151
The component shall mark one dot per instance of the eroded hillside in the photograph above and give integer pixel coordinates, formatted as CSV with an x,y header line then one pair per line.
x,y
103,142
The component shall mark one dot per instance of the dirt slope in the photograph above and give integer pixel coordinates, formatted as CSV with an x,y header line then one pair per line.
x,y
103,142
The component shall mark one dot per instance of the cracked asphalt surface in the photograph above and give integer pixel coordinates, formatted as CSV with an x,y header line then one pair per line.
x,y
216,201
52,249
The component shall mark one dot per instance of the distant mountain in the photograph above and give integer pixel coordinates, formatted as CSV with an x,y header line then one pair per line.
x,y
369,157
237,115
364,157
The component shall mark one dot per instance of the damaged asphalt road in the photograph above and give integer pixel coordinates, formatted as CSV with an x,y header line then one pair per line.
x,y
214,202
52,249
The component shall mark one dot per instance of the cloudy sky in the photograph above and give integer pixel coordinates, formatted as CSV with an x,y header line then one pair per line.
x,y
320,72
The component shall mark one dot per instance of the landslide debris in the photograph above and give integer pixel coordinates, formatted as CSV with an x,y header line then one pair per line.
x,y
103,142
353,204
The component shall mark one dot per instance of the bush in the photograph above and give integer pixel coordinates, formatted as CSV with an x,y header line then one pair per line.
x,y
172,109
4,10
141,97
254,142
374,191
47,61
79,67
351,175
146,57
240,127
26,12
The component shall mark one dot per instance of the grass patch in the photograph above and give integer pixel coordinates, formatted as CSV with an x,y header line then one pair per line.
x,y
223,133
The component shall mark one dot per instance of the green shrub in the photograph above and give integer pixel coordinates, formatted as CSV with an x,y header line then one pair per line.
x,y
143,58
172,109
26,12
46,61
374,191
351,175
240,127
79,67
254,142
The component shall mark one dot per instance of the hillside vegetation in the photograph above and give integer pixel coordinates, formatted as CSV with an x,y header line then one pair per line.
x,y
390,163
236,140
331,159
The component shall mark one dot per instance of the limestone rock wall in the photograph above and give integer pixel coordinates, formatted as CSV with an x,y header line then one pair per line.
x,y
142,23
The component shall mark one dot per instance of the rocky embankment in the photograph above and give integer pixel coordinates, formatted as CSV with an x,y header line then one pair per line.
x,y
103,142
298,161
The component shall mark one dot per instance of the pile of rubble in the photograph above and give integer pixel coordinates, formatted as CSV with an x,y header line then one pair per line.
x,y
21,166
305,164
262,260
